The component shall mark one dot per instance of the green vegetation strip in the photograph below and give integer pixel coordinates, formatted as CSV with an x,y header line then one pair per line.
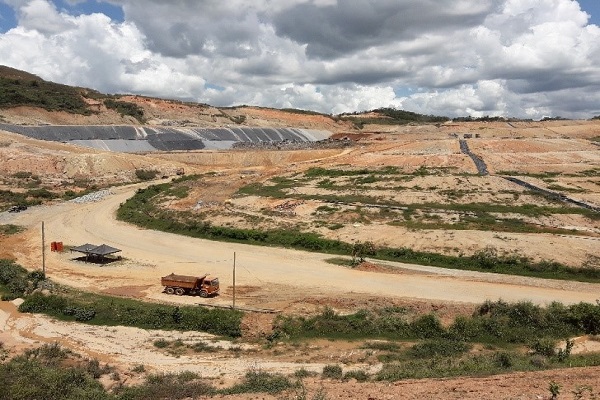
x,y
95,309
510,337
142,210
493,323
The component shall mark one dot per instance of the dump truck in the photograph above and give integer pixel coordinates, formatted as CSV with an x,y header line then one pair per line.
x,y
204,286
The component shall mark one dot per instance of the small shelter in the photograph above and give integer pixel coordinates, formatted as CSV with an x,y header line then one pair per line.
x,y
96,252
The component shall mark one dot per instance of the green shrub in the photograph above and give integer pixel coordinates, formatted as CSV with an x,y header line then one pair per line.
x,y
126,108
427,326
161,343
586,317
84,314
382,346
333,371
145,175
138,369
39,303
167,386
22,175
9,271
359,375
545,347
260,382
504,360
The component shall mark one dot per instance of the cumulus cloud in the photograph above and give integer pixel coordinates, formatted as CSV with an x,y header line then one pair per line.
x,y
523,58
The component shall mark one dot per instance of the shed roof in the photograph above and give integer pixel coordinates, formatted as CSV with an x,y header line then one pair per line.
x,y
104,250
92,249
84,248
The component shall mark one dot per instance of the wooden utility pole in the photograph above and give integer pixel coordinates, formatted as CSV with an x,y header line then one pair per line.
x,y
43,251
234,279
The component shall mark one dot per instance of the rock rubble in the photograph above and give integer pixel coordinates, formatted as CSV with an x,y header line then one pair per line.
x,y
92,197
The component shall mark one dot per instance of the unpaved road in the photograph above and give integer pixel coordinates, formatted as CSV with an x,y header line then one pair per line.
x,y
276,273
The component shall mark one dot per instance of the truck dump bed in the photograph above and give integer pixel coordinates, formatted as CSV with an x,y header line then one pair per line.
x,y
184,281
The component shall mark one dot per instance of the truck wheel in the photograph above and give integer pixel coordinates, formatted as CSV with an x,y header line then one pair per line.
x,y
170,290
179,291
203,293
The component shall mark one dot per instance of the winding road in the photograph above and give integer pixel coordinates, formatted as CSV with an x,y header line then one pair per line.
x,y
275,273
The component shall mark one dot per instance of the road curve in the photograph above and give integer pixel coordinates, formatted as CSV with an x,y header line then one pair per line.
x,y
151,254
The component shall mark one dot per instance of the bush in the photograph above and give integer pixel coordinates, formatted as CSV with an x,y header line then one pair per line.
x,y
427,326
39,303
145,175
84,314
359,375
332,372
126,108
167,386
260,382
9,271
545,347
504,360
586,317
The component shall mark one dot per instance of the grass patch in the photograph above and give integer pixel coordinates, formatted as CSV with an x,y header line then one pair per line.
x,y
260,382
345,262
10,229
105,310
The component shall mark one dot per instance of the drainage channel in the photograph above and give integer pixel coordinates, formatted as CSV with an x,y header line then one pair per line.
x,y
551,194
482,169
479,163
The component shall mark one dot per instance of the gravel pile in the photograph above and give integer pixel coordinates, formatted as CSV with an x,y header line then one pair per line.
x,y
292,145
91,197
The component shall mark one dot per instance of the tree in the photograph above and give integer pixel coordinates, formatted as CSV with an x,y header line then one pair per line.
x,y
360,250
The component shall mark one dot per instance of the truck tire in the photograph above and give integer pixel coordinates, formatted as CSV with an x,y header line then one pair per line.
x,y
203,293
179,291
169,290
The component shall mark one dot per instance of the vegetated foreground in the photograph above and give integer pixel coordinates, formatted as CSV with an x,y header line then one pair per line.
x,y
412,190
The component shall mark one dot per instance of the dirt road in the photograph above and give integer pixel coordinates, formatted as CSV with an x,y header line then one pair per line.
x,y
277,272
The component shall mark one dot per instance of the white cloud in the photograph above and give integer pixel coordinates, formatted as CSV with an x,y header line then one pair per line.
x,y
41,16
524,58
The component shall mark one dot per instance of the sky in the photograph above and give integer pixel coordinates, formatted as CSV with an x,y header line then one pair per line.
x,y
510,58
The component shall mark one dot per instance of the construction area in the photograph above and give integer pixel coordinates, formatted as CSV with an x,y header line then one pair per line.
x,y
428,188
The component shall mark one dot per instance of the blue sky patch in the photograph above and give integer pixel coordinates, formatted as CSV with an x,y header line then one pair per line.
x,y
592,7
92,7
7,18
